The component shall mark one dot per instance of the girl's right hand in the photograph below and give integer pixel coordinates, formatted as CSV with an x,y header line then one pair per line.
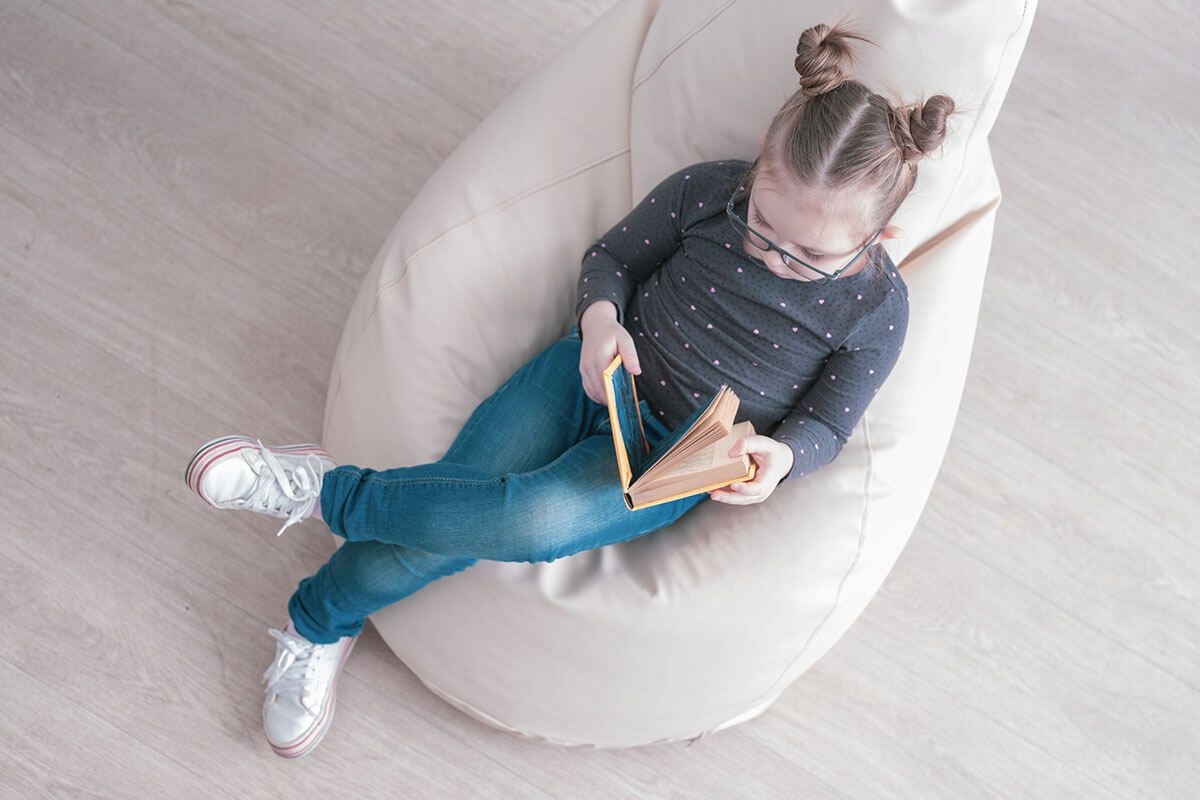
x,y
603,340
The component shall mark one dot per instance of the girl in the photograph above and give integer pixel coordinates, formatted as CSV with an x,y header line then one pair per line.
x,y
765,275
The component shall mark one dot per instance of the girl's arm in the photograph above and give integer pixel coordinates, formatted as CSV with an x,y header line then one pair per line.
x,y
635,247
821,423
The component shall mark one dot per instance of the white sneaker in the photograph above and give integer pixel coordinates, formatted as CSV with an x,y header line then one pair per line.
x,y
239,472
301,690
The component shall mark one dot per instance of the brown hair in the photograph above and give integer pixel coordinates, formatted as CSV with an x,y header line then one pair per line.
x,y
834,133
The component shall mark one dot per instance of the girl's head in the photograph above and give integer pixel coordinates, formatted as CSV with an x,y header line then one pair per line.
x,y
836,162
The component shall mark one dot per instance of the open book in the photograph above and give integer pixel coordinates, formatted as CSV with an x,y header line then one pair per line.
x,y
693,458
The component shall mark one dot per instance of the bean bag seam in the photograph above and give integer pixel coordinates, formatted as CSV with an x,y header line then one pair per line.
x,y
561,177
866,415
962,167
862,529
675,47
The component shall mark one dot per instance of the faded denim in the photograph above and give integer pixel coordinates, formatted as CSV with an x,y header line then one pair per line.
x,y
531,477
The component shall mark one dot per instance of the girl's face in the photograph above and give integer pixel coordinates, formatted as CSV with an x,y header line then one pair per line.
x,y
809,224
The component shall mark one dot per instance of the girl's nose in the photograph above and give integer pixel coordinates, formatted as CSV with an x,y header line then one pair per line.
x,y
774,259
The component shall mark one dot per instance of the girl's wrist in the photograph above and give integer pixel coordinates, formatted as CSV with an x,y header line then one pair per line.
x,y
601,309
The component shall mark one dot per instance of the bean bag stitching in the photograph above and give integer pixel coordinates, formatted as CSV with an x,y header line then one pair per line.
x,y
469,708
974,128
870,471
340,368
667,55
866,427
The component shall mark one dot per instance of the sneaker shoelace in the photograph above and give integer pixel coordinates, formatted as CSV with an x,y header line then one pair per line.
x,y
291,674
298,491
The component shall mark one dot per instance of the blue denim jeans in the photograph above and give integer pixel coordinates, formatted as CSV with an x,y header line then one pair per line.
x,y
531,477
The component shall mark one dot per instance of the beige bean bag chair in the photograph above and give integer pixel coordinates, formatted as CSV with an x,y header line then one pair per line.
x,y
701,625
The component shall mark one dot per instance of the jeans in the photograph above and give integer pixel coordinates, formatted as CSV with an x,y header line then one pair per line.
x,y
531,477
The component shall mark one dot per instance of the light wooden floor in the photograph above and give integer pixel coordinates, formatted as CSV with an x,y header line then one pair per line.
x,y
189,197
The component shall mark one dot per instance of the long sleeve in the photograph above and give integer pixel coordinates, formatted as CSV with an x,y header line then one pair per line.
x,y
822,422
633,249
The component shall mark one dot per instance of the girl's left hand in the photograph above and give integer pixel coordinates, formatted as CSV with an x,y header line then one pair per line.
x,y
773,460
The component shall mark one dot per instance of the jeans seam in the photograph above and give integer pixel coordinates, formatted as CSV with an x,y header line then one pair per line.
x,y
447,481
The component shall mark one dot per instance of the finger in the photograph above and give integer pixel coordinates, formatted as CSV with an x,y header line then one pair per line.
x,y
629,355
747,495
745,490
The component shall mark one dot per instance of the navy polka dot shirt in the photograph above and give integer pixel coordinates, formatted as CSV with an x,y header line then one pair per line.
x,y
804,358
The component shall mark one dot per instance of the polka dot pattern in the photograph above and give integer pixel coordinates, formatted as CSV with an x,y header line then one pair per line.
x,y
805,358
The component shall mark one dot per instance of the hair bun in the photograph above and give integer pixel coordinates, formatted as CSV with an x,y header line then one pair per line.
x,y
920,128
821,55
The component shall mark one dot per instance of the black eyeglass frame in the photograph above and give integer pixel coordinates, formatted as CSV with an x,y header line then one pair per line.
x,y
744,227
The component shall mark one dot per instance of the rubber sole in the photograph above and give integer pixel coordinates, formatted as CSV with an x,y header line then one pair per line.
x,y
209,452
309,741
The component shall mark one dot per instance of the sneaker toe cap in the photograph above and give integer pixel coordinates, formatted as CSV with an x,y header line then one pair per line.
x,y
226,481
286,721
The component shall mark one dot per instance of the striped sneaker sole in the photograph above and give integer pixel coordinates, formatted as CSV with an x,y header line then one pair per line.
x,y
210,452
313,737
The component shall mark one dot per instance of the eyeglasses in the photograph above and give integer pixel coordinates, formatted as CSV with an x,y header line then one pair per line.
x,y
763,243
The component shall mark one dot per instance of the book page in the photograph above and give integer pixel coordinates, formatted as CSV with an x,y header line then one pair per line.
x,y
699,472
714,455
694,463
715,422
680,436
